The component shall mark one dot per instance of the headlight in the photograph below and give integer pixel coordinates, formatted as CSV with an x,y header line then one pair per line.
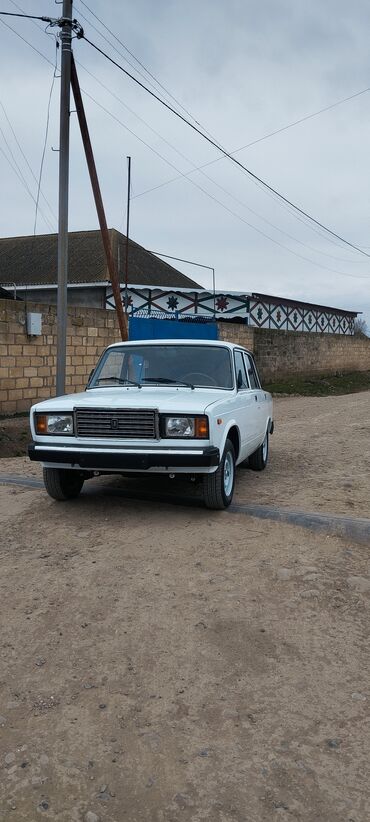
x,y
54,424
192,427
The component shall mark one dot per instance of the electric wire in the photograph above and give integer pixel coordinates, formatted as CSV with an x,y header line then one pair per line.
x,y
29,16
223,205
27,42
46,134
226,153
25,186
210,179
236,151
266,136
139,62
25,157
199,168
237,216
254,142
118,51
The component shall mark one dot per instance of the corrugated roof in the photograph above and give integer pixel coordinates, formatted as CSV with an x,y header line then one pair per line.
x,y
268,298
33,261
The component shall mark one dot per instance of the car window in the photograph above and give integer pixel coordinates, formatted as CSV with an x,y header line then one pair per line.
x,y
241,375
252,373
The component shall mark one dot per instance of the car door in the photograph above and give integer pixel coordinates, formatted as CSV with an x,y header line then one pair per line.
x,y
259,396
246,408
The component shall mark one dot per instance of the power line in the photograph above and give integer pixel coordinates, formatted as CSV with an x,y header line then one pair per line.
x,y
25,157
46,134
27,42
226,153
217,159
186,174
223,205
265,137
25,186
230,211
112,45
29,16
207,177
150,74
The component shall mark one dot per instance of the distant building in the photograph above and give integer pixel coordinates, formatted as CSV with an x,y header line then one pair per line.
x,y
156,289
30,264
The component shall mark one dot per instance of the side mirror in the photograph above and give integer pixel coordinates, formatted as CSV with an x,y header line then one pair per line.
x,y
239,381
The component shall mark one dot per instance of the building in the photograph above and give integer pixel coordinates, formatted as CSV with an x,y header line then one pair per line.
x,y
28,265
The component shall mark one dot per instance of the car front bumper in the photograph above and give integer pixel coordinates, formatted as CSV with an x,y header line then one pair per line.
x,y
126,459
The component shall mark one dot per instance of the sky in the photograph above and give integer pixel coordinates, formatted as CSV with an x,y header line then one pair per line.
x,y
241,69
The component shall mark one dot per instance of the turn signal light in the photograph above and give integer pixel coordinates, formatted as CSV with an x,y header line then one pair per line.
x,y
201,427
41,424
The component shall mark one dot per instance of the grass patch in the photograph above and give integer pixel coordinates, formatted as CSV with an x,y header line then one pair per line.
x,y
348,383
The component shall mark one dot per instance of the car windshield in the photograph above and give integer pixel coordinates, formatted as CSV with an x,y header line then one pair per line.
x,y
191,366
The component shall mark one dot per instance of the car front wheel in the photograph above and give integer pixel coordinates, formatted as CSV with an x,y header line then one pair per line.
x,y
62,483
218,488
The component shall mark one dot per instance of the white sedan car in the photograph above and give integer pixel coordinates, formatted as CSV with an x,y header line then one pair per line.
x,y
193,407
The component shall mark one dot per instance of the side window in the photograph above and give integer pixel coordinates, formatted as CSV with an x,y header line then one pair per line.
x,y
252,373
241,376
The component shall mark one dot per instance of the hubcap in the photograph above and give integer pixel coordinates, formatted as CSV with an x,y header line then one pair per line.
x,y
228,474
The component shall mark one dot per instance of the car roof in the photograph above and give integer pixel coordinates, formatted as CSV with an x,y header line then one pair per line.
x,y
213,343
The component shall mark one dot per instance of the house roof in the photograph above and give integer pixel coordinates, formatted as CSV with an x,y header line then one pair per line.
x,y
268,298
33,261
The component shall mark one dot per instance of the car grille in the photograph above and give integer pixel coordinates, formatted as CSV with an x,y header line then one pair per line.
x,y
124,423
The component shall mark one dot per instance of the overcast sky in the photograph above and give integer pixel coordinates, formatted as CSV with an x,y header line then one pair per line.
x,y
243,69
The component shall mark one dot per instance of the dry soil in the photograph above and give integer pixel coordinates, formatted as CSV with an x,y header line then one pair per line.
x,y
162,662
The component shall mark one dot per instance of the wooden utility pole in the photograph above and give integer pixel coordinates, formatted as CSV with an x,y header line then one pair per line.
x,y
122,317
127,230
66,39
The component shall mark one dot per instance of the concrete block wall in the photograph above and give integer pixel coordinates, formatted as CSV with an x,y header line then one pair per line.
x,y
284,354
28,364
237,333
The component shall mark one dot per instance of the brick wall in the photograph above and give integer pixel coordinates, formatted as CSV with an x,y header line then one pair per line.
x,y
237,333
28,364
281,354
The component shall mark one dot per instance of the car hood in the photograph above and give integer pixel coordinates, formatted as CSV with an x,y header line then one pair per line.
x,y
176,398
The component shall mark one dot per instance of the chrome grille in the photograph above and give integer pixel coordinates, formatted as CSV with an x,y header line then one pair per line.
x,y
121,423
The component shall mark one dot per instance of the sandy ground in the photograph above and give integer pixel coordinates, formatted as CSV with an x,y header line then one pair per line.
x,y
162,663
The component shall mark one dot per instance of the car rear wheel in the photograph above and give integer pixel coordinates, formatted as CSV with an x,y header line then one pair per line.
x,y
218,488
259,460
62,483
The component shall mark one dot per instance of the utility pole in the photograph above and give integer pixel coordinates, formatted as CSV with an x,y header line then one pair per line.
x,y
66,40
127,230
122,318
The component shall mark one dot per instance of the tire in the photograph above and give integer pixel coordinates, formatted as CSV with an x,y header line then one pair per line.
x,y
218,488
62,483
259,459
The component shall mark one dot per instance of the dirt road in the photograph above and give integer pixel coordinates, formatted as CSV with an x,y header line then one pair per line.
x,y
163,663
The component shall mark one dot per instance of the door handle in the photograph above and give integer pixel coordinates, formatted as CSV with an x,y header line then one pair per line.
x,y
255,397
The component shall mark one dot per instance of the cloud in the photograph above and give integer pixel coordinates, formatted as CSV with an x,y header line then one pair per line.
x,y
242,69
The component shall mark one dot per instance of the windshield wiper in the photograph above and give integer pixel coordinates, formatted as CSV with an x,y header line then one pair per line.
x,y
167,381
118,380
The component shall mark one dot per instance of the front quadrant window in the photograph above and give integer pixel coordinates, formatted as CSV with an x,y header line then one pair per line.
x,y
202,366
252,373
